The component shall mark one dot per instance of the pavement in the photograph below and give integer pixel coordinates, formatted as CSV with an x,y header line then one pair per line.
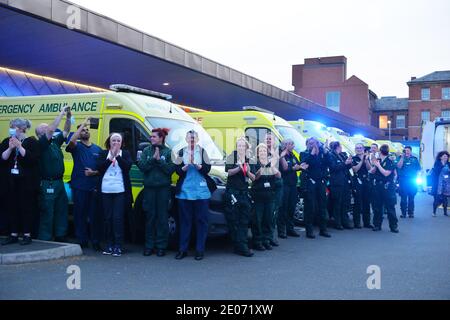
x,y
414,265
37,251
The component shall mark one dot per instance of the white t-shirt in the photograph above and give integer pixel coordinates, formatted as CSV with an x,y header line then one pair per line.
x,y
113,180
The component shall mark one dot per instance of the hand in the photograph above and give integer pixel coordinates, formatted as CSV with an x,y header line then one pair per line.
x,y
156,154
376,162
349,160
68,113
283,153
16,142
86,122
11,144
296,167
88,172
198,166
185,168
304,166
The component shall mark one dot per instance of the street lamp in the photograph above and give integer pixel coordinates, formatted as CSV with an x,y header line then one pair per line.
x,y
389,126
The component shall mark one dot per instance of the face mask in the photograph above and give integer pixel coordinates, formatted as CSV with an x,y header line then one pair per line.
x,y
12,132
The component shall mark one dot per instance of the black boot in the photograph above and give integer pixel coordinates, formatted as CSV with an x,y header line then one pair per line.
x,y
10,240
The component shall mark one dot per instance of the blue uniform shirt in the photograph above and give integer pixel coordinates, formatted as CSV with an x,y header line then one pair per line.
x,y
194,186
84,157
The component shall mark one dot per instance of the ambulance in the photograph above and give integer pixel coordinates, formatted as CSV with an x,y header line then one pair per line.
x,y
343,137
133,112
435,138
252,122
309,128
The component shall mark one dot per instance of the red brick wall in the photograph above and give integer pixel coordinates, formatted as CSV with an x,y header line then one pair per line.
x,y
314,80
396,133
435,105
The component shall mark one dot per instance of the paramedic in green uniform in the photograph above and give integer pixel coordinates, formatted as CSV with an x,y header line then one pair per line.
x,y
53,197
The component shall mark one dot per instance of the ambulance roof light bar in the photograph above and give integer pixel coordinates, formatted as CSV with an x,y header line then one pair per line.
x,y
254,108
128,88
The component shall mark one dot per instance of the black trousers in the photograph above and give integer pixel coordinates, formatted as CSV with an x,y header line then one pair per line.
x,y
22,205
440,199
315,206
384,201
339,198
114,212
285,219
362,204
407,193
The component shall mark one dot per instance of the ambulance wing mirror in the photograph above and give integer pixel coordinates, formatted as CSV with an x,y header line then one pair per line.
x,y
93,123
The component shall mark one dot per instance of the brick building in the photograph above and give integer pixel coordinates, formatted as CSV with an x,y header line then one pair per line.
x,y
324,81
395,110
429,98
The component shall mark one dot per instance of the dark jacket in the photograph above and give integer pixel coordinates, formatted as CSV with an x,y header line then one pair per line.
x,y
157,173
206,167
28,166
339,171
318,167
435,173
125,162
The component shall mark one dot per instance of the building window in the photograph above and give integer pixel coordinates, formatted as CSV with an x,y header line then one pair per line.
x,y
383,122
425,115
400,121
425,93
445,93
333,100
445,114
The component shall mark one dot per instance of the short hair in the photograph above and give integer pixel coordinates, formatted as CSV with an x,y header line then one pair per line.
x,y
261,146
334,145
108,140
162,133
374,144
384,149
359,144
407,147
20,123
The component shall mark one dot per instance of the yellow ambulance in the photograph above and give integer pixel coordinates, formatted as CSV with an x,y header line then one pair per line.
x,y
133,112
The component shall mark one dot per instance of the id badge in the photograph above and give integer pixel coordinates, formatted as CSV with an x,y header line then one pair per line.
x,y
359,181
266,184
50,191
203,184
312,181
15,171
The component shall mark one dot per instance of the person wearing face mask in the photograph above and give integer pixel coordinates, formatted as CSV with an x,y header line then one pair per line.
x,y
114,166
289,167
157,166
314,165
53,197
237,198
384,197
193,191
361,185
339,165
19,156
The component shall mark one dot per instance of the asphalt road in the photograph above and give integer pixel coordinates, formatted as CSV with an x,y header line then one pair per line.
x,y
414,264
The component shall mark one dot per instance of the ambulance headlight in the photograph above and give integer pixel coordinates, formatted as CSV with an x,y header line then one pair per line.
x,y
419,181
